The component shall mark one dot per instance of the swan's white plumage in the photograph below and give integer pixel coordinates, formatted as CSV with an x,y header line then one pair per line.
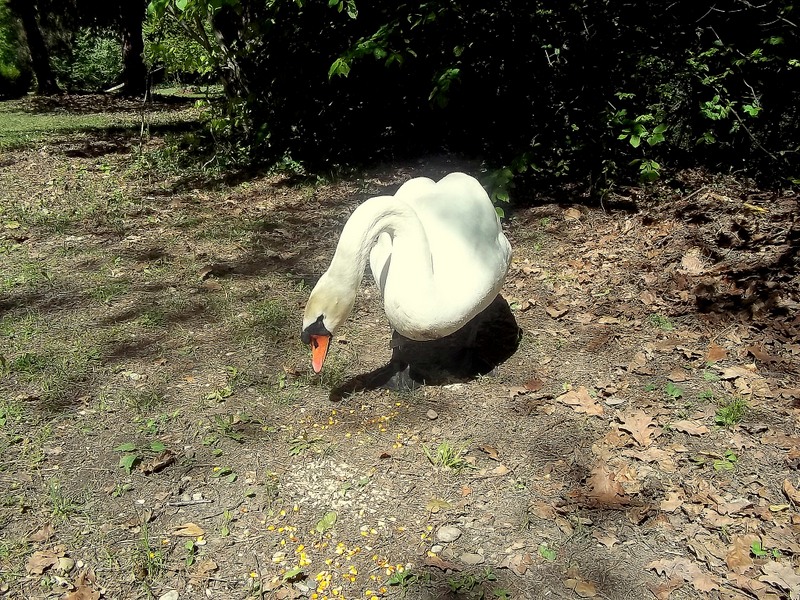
x,y
437,253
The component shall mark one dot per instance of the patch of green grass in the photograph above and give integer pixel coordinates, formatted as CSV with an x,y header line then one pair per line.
x,y
24,274
152,318
305,443
672,391
141,400
148,560
731,412
21,129
21,327
108,292
403,580
447,456
473,585
661,322
67,370
270,316
62,507
28,364
10,412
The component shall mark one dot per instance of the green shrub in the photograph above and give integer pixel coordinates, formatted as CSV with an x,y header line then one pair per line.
x,y
95,63
15,72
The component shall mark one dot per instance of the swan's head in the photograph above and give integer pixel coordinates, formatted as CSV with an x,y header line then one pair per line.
x,y
328,306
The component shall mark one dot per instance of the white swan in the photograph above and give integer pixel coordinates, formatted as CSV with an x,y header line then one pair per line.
x,y
437,253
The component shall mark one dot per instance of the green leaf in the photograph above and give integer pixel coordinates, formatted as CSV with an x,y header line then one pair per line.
x,y
673,391
326,522
757,550
157,446
128,461
126,447
547,553
339,67
181,4
292,573
635,140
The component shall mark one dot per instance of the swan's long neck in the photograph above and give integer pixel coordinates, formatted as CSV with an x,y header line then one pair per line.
x,y
411,297
411,253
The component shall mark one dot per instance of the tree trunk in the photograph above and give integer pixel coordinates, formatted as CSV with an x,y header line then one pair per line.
x,y
40,57
134,73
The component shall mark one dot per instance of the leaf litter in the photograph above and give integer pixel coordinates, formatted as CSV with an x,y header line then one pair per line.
x,y
613,308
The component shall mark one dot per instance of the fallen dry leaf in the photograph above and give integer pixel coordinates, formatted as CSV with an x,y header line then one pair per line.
x,y
605,538
692,262
640,425
41,560
584,589
663,590
690,427
654,455
638,364
499,471
203,570
163,460
44,534
672,502
581,402
556,311
491,451
440,563
434,505
785,442
687,570
715,353
781,576
791,492
534,385
737,371
738,557
84,587
572,214
543,510
761,355
517,390
518,563
188,530
678,375
603,487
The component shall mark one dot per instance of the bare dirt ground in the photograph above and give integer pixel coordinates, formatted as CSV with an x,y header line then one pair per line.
x,y
162,434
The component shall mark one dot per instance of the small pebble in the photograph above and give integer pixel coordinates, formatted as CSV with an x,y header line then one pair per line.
x,y
432,414
170,595
472,559
448,533
65,564
437,548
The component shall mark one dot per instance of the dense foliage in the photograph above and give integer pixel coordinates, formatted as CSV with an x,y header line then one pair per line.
x,y
15,73
589,90
592,91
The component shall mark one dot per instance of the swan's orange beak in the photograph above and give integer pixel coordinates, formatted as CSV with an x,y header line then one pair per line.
x,y
319,349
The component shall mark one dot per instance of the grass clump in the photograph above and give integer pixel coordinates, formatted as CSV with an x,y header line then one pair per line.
x,y
731,412
662,322
448,456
